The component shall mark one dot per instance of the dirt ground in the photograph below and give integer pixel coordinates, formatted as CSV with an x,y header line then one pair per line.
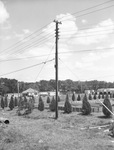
x,y
40,131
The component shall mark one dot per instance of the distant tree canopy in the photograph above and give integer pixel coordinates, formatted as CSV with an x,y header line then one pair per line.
x,y
10,85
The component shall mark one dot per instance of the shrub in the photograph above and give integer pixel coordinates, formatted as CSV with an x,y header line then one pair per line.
x,y
86,107
94,97
6,101
67,105
16,102
73,97
48,99
41,104
90,97
59,99
11,104
52,105
99,96
102,96
107,103
2,103
78,98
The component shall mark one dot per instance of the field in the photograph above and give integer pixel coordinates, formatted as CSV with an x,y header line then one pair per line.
x,y
40,131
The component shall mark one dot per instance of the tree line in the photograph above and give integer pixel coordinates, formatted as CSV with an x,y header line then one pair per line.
x,y
10,85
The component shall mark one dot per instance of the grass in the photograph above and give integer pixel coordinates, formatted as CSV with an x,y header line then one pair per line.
x,y
40,131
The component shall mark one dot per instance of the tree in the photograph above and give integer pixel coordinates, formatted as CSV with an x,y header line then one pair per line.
x,y
78,98
41,104
107,103
73,97
94,97
48,99
59,99
2,103
99,96
67,105
16,102
90,97
6,100
102,96
11,104
86,107
52,105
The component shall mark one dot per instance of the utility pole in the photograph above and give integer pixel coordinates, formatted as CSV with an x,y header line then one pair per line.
x,y
56,65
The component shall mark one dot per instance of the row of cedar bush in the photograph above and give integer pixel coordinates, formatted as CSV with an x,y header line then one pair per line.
x,y
26,105
86,107
91,96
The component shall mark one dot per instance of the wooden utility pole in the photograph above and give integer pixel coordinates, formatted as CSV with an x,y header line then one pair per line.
x,y
56,65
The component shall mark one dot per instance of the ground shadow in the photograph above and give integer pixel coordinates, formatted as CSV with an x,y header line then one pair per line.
x,y
104,117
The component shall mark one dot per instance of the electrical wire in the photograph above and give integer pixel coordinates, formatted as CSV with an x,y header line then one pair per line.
x,y
44,63
89,12
26,68
69,69
21,41
89,8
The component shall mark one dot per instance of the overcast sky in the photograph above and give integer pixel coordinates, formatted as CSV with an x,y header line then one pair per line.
x,y
86,39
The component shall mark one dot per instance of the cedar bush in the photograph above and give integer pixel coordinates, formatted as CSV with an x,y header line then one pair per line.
x,y
41,104
107,103
59,99
94,97
2,103
102,96
67,105
48,99
52,105
16,102
99,96
11,103
78,98
86,107
25,107
73,97
90,97
6,101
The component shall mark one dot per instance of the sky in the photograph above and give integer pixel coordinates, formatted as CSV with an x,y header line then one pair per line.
x,y
85,44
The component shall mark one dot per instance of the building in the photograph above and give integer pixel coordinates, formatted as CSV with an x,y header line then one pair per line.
x,y
105,90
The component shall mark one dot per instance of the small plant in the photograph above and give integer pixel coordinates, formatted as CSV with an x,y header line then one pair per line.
x,y
107,103
59,99
86,107
99,96
78,98
2,103
73,97
41,104
67,105
6,101
16,102
90,97
94,97
52,105
48,99
11,104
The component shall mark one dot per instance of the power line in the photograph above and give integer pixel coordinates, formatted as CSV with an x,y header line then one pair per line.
x,y
65,52
37,42
84,36
26,68
90,12
37,31
44,63
69,69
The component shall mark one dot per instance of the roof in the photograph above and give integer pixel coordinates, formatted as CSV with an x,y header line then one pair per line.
x,y
30,90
